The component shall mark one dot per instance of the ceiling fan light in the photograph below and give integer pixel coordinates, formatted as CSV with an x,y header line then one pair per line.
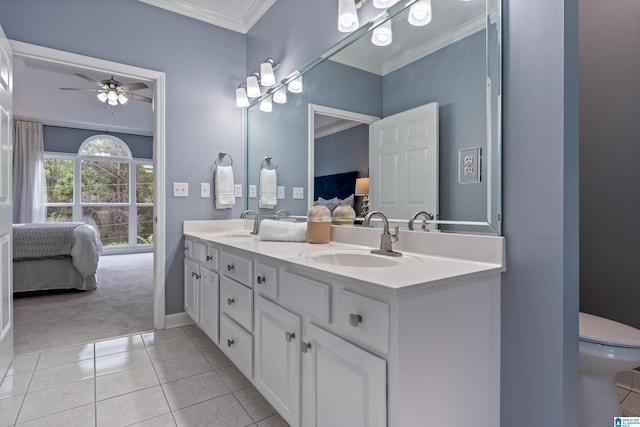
x,y
241,98
266,105
420,13
382,35
102,96
267,78
384,4
295,86
113,101
347,16
253,89
280,96
112,96
122,98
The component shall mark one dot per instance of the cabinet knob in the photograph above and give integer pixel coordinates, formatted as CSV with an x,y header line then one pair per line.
x,y
186,248
193,274
230,267
305,346
209,257
355,319
289,336
261,280
230,301
230,343
198,276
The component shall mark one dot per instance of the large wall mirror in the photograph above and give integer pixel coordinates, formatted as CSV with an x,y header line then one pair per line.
x,y
453,64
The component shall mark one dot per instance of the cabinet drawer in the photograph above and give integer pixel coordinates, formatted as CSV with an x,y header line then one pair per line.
x,y
205,254
236,267
236,301
363,318
237,344
308,295
265,279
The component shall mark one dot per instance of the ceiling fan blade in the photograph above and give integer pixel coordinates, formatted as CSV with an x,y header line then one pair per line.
x,y
78,88
89,79
134,86
140,97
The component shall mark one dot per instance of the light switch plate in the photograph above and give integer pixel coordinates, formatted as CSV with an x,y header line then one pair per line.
x,y
180,189
298,193
280,194
469,165
238,190
205,190
253,191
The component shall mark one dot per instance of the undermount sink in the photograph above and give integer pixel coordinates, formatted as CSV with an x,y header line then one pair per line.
x,y
239,233
355,258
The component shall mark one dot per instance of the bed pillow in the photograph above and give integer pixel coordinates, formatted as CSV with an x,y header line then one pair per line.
x,y
331,204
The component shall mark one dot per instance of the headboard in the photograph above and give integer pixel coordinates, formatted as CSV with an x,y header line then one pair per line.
x,y
340,185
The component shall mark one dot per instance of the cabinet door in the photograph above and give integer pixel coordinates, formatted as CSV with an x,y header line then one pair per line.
x,y
209,285
342,385
277,358
191,291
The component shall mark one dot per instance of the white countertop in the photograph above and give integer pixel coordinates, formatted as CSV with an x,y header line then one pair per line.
x,y
429,259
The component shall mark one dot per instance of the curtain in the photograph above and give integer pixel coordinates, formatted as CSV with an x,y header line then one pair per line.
x,y
28,172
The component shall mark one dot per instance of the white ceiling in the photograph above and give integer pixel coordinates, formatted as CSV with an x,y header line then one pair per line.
x,y
236,15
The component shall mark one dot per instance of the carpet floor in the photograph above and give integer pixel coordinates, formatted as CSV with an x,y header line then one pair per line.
x,y
122,304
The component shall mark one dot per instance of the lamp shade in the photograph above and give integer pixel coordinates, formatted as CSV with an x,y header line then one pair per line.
x,y
347,16
420,13
382,34
102,96
295,86
280,96
122,98
266,105
253,89
241,98
267,78
362,186
384,4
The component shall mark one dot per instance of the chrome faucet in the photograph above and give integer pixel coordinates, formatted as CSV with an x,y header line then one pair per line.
x,y
284,212
386,239
427,216
256,220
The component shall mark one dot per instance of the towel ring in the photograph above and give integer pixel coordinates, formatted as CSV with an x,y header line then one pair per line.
x,y
221,156
267,162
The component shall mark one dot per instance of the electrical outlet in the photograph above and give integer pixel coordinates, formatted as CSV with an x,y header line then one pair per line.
x,y
205,190
180,189
238,190
298,193
469,165
280,194
253,191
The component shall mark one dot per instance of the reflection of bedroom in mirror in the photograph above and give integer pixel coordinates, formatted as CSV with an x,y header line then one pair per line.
x,y
97,209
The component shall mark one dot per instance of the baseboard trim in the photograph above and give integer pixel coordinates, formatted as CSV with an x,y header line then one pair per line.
x,y
176,320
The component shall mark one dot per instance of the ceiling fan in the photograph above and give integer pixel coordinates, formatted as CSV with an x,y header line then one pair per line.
x,y
112,91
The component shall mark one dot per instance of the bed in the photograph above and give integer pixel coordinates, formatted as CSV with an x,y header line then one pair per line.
x,y
332,190
55,255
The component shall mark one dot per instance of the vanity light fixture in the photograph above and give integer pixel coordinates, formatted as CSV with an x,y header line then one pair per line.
x,y
266,105
384,4
242,100
295,86
420,13
253,90
348,15
266,72
280,96
382,34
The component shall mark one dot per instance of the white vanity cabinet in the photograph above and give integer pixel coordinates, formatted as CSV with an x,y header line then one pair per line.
x,y
201,284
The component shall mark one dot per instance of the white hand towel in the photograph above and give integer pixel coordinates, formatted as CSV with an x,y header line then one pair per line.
x,y
283,231
268,188
224,187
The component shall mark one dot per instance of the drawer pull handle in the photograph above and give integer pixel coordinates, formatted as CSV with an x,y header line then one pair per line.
x,y
230,343
209,257
197,276
355,319
230,267
289,336
230,301
261,280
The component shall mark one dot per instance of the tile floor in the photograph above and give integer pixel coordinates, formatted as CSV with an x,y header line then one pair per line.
x,y
175,377
629,393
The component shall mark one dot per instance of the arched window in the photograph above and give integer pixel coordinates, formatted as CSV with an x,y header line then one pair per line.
x,y
105,146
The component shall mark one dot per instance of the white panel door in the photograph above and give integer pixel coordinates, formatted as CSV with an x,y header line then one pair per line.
x,y
209,291
342,385
403,163
6,211
191,290
277,358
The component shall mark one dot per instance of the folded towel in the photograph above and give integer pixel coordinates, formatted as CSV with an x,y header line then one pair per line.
x,y
224,187
283,231
268,187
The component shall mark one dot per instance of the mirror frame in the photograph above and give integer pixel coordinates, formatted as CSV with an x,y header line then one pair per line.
x,y
493,223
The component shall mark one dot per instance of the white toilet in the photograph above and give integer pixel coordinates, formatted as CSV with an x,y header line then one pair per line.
x,y
606,348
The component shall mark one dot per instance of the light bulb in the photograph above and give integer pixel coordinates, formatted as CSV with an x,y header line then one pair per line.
x,y
382,34
122,98
241,98
102,96
420,13
253,89
384,4
267,78
295,86
347,16
280,96
266,105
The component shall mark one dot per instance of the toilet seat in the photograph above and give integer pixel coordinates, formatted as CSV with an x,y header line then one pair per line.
x,y
599,330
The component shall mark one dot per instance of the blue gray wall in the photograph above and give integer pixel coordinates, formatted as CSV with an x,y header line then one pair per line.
x,y
609,145
68,140
344,151
203,65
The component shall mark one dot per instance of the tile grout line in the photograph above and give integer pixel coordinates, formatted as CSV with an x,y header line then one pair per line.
x,y
26,391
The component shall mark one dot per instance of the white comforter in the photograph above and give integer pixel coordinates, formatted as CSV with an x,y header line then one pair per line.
x,y
86,249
